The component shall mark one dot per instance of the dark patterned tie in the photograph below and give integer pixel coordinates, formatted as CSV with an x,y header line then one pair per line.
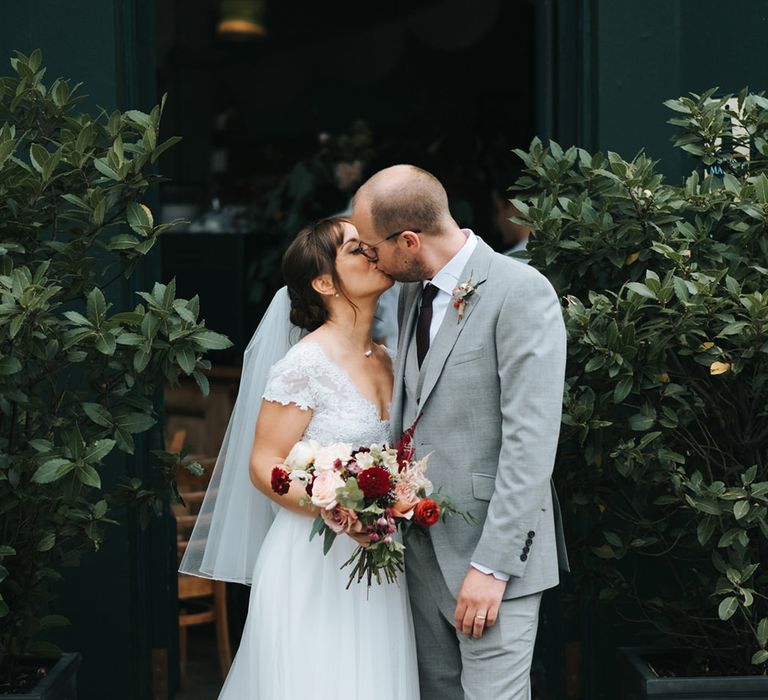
x,y
424,322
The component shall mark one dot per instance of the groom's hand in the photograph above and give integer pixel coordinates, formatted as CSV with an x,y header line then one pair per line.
x,y
477,606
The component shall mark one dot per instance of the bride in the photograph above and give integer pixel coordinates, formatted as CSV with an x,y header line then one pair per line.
x,y
306,635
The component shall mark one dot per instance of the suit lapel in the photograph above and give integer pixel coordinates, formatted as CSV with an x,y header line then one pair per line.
x,y
411,308
451,327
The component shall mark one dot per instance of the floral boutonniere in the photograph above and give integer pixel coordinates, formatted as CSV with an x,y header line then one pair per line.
x,y
462,294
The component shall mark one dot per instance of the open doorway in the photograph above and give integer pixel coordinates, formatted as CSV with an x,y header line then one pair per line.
x,y
281,124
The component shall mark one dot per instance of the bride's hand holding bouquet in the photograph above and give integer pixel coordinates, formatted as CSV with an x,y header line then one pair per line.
x,y
369,493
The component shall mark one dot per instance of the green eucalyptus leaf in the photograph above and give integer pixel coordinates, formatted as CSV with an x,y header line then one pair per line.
x,y
106,343
52,470
96,306
98,450
329,536
103,167
186,359
761,188
9,365
622,390
208,340
762,632
705,530
89,476
740,509
139,217
318,525
640,422
98,414
135,422
46,542
38,156
727,608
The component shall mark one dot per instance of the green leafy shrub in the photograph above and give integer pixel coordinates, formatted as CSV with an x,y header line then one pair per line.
x,y
664,450
77,376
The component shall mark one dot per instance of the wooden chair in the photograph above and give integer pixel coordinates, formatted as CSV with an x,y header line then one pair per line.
x,y
201,600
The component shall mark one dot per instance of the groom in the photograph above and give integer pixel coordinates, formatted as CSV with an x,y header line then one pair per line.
x,y
484,367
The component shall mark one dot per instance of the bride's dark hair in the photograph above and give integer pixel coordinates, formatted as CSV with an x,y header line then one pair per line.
x,y
311,254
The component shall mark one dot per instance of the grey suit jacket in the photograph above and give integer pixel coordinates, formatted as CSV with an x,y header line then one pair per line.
x,y
490,399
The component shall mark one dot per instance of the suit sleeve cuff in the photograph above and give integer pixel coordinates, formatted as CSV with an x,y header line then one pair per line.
x,y
500,575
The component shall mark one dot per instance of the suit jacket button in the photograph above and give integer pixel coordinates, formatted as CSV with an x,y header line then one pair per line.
x,y
529,542
531,534
523,557
526,549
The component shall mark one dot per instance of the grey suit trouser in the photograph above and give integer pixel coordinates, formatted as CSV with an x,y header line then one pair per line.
x,y
454,667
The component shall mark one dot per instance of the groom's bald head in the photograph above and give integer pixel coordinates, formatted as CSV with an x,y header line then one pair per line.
x,y
404,197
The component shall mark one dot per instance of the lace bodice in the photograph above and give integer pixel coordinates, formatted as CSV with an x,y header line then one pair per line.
x,y
340,413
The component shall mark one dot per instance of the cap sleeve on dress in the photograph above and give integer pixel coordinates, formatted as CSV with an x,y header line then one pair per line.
x,y
290,382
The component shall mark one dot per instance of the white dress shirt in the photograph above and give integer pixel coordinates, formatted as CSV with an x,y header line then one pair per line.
x,y
446,280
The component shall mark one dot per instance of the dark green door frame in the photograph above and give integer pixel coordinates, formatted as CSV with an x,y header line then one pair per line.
x,y
565,57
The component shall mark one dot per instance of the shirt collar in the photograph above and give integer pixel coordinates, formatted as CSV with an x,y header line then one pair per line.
x,y
447,279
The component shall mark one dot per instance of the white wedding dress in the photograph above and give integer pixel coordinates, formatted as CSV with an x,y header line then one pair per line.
x,y
307,636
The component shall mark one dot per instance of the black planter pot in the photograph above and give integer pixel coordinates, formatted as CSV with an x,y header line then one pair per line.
x,y
60,683
640,683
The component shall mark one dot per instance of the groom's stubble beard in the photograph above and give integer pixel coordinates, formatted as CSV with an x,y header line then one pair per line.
x,y
413,270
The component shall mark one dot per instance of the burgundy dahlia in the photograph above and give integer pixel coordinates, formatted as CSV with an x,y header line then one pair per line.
x,y
374,482
281,482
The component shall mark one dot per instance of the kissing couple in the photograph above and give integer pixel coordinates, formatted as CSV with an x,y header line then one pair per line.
x,y
481,360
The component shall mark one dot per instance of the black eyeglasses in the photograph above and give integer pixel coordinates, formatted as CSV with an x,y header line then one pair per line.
x,y
369,251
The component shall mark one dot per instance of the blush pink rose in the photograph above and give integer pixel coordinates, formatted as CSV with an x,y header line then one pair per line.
x,y
341,519
324,488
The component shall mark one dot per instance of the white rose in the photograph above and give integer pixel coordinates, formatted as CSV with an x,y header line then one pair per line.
x,y
299,475
389,460
324,489
302,454
364,460
325,457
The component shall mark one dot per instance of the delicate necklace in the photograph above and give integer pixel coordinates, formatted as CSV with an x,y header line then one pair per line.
x,y
369,352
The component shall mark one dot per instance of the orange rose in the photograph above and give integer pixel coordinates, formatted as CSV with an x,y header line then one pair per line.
x,y
426,512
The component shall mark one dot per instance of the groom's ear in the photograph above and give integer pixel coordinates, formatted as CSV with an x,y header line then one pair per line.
x,y
323,284
411,240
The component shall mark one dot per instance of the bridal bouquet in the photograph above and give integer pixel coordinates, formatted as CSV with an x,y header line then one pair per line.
x,y
369,493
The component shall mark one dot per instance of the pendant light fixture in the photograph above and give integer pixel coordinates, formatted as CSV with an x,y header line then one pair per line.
x,y
241,19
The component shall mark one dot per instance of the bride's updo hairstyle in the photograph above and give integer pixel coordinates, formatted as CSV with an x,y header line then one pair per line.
x,y
311,254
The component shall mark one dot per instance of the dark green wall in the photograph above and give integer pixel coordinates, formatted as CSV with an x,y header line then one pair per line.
x,y
651,51
121,600
606,66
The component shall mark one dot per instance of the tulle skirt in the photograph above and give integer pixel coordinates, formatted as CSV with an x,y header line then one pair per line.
x,y
307,637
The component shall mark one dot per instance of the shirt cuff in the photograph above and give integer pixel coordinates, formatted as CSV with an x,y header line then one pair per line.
x,y
500,575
